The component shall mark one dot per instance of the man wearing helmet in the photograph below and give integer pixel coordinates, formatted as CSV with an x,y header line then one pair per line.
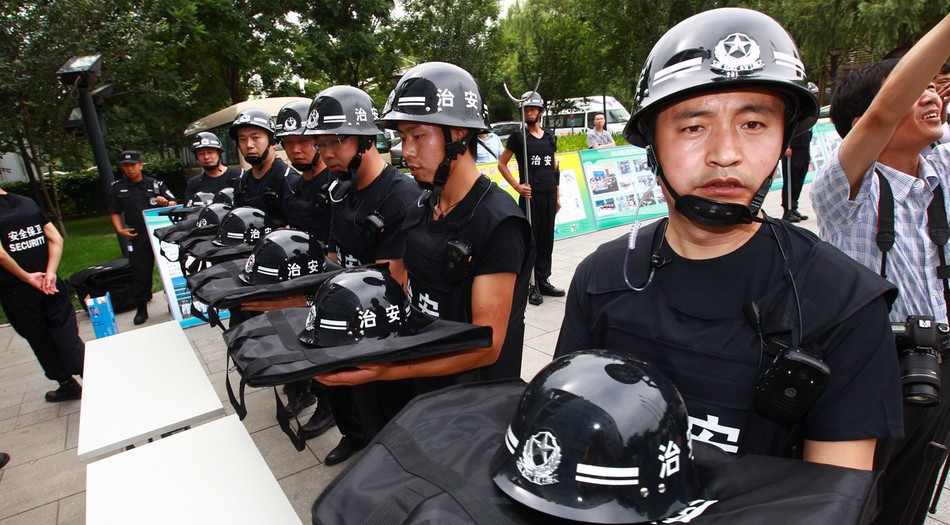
x,y
307,206
131,195
370,199
885,125
214,176
715,292
468,244
265,185
538,185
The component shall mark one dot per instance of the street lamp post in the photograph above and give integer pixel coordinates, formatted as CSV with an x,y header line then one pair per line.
x,y
83,72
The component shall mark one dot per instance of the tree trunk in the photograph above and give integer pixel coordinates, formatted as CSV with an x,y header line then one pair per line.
x,y
33,162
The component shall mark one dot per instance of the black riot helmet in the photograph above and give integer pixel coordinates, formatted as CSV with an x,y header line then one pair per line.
x,y
206,140
599,437
224,196
342,110
243,225
282,255
440,94
292,118
357,304
345,111
200,198
252,117
435,93
211,215
715,51
531,99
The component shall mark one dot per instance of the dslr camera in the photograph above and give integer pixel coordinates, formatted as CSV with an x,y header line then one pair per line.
x,y
920,343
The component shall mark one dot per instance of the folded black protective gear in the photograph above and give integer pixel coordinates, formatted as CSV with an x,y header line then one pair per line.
x,y
266,350
432,464
203,253
220,287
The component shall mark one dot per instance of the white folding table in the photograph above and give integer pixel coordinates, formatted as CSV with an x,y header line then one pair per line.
x,y
212,473
139,385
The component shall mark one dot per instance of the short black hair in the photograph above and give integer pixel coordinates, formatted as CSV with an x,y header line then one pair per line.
x,y
854,95
944,69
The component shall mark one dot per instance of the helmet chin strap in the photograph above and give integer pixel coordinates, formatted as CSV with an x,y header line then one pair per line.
x,y
452,150
343,184
214,167
256,160
708,212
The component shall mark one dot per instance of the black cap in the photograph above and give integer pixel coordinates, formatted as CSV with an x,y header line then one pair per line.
x,y
130,157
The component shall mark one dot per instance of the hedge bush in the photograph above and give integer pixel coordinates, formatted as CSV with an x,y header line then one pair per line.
x,y
80,193
577,142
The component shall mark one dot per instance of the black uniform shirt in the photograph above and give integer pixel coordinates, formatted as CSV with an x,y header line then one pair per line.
x,y
131,199
541,160
351,237
491,224
21,226
307,206
266,193
202,182
690,323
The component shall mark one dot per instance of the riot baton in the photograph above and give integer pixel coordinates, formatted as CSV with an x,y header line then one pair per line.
x,y
524,146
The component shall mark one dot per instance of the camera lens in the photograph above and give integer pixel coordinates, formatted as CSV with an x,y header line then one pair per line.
x,y
920,378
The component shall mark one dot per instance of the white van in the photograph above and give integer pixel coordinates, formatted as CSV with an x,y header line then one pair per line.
x,y
576,115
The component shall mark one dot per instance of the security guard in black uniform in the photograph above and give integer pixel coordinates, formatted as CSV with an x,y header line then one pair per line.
x,y
214,176
468,246
370,199
36,301
130,196
307,206
778,342
265,185
541,188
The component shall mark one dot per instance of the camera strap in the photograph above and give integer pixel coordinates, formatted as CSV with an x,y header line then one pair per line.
x,y
937,229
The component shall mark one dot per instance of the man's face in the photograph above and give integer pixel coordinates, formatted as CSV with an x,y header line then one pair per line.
x,y
337,151
133,172
532,114
252,141
208,157
423,148
921,123
599,122
721,146
299,149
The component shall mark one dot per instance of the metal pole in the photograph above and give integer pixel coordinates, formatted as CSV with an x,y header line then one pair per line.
x,y
90,119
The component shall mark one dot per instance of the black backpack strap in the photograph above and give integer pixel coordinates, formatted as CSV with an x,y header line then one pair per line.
x,y
404,450
939,232
283,420
885,220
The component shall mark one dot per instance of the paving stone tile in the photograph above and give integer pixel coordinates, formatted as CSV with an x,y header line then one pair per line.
x,y
72,510
44,515
33,442
303,487
46,480
280,454
37,416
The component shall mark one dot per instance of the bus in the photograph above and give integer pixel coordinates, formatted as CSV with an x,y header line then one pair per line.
x,y
576,115
220,121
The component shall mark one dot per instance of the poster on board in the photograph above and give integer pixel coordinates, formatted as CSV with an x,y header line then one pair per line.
x,y
176,288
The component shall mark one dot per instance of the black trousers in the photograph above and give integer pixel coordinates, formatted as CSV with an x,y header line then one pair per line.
x,y
48,323
543,211
361,411
142,261
903,460
801,157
